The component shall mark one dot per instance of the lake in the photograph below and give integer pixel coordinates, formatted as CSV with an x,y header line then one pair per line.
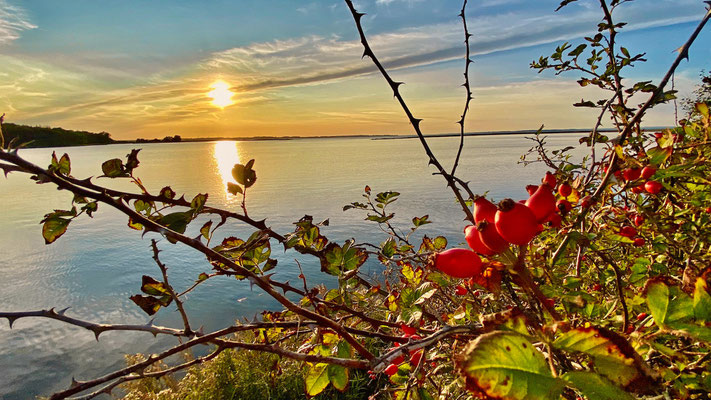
x,y
97,265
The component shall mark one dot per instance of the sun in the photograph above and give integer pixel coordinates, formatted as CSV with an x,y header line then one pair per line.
x,y
221,94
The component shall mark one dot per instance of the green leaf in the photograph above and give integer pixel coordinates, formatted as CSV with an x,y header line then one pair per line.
x,y
205,230
611,354
316,379
338,376
385,198
424,220
54,227
234,188
61,166
388,247
595,387
440,243
113,168
198,202
505,365
659,155
668,304
142,206
578,50
153,287
337,259
176,221
244,174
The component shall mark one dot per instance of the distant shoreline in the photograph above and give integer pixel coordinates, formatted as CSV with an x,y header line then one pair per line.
x,y
387,137
44,137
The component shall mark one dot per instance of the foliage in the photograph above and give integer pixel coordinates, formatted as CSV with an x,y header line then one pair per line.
x,y
37,136
599,290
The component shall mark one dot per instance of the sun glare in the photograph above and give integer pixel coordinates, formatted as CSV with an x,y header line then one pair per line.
x,y
226,156
221,94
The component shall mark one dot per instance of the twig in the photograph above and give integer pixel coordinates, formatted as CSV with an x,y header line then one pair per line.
x,y
618,280
96,328
178,302
357,16
466,85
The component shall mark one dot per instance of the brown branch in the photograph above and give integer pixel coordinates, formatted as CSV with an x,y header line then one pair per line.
x,y
466,85
95,328
357,16
173,295
618,280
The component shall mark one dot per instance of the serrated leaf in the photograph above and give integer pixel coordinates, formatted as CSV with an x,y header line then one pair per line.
x,y
113,168
595,387
198,202
612,356
316,379
505,365
53,228
337,259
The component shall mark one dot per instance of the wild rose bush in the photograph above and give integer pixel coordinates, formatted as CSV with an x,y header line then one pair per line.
x,y
596,286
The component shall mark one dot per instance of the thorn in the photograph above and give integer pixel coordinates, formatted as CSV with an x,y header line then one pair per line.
x,y
252,282
284,288
201,331
62,311
358,15
11,320
97,331
461,14
150,323
74,383
254,319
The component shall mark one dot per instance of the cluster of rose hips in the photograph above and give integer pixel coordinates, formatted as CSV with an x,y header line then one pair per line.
x,y
633,175
511,222
392,368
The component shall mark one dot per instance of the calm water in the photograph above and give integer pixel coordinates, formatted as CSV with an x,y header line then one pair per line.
x,y
98,263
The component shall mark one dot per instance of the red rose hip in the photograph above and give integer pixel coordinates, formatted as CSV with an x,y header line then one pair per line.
x,y
653,187
458,263
516,223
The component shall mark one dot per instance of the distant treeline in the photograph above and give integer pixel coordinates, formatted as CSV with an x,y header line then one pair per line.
x,y
37,136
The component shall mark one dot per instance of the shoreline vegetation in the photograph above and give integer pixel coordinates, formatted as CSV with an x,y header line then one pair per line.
x,y
38,136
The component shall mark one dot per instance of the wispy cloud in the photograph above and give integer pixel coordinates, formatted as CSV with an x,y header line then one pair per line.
x,y
317,59
13,21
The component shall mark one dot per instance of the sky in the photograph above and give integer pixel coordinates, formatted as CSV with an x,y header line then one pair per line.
x,y
148,69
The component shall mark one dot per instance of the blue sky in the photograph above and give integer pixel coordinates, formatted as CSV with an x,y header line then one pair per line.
x,y
144,68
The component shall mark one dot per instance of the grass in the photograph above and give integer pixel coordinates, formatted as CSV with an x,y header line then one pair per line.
x,y
238,374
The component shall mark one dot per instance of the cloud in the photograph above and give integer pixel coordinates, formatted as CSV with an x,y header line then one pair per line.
x,y
12,22
317,59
